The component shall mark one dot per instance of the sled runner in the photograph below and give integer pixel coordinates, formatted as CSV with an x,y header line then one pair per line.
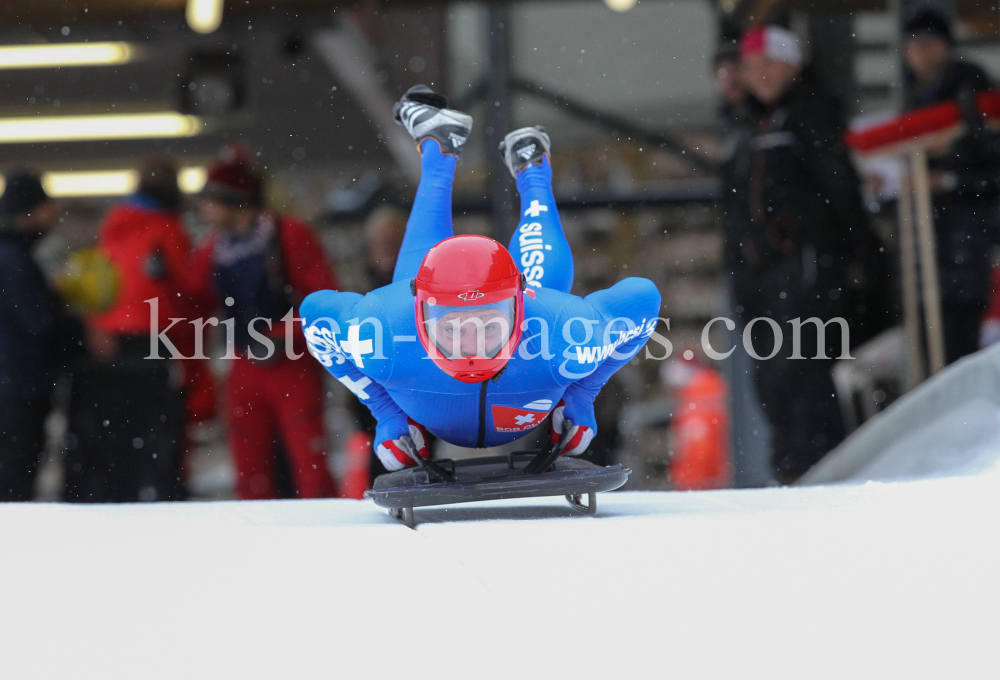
x,y
522,474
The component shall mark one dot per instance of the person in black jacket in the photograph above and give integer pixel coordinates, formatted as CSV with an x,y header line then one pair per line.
x,y
793,233
36,335
732,113
965,178
735,126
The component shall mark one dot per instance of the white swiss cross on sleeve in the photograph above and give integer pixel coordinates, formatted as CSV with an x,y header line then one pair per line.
x,y
356,386
536,209
524,420
355,346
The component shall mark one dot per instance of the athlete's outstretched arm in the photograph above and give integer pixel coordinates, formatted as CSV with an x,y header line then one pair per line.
x,y
430,218
629,312
342,352
539,245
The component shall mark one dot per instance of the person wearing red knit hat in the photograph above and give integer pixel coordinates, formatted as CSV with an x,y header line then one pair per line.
x,y
257,267
233,181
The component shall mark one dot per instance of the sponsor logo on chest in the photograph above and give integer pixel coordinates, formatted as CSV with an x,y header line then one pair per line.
x,y
508,419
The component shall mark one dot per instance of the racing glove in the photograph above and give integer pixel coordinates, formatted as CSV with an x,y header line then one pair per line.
x,y
583,424
391,449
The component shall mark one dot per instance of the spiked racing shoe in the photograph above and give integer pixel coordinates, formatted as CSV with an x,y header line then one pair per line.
x,y
523,147
425,113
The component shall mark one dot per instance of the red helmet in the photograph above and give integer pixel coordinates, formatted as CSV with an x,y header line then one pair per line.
x,y
469,306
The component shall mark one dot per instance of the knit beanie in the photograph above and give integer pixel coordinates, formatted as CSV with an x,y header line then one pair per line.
x,y
234,180
928,22
23,192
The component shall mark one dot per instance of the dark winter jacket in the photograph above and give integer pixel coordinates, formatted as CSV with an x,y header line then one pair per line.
x,y
735,126
37,336
797,216
964,215
266,273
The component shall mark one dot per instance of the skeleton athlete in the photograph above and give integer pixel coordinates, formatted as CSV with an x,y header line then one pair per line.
x,y
474,342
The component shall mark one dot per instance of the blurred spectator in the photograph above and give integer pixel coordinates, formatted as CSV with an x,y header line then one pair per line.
x,y
36,335
730,86
384,230
260,265
126,414
965,178
750,445
795,230
735,124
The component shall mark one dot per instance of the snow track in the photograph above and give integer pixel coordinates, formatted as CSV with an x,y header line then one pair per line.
x,y
876,579
873,580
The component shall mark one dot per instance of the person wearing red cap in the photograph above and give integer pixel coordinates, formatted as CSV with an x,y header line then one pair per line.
x,y
443,347
257,267
794,232
772,61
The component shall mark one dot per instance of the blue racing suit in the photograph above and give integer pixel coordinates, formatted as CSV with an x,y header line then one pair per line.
x,y
570,348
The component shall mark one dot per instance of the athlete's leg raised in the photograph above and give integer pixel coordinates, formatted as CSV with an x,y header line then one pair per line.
x,y
539,245
440,134
430,219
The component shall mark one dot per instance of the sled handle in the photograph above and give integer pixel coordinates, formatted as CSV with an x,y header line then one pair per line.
x,y
430,467
544,460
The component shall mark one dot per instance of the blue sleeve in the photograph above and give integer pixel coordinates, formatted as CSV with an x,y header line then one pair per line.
x,y
342,346
621,318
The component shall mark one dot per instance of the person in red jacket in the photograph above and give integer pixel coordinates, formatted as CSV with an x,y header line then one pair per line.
x,y
127,415
257,267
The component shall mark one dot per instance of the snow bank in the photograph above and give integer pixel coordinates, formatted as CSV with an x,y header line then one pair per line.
x,y
948,426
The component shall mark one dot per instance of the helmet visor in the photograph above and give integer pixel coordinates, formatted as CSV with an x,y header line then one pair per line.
x,y
474,331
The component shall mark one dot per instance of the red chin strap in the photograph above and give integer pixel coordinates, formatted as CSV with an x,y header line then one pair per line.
x,y
468,271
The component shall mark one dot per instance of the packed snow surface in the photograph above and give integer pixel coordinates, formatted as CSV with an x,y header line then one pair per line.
x,y
882,580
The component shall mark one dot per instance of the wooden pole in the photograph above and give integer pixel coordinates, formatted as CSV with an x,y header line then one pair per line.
x,y
928,260
911,297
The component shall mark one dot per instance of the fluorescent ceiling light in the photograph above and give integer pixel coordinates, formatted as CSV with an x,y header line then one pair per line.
x,y
77,128
620,5
103,183
204,16
74,54
112,182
